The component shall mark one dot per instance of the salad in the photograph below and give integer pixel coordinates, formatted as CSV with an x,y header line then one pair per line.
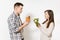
x,y
36,21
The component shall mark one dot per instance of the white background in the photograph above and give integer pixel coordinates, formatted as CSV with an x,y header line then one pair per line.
x,y
36,7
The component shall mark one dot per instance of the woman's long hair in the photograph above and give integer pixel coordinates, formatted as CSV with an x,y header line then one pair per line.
x,y
51,17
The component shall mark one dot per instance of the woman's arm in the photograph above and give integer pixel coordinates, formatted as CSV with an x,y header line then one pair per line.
x,y
47,31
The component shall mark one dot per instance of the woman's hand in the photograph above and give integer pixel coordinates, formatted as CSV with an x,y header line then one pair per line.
x,y
39,25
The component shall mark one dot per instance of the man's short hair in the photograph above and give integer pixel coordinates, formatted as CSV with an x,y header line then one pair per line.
x,y
18,4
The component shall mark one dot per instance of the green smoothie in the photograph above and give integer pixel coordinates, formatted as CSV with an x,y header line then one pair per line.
x,y
36,21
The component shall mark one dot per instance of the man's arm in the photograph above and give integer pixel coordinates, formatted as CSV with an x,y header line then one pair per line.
x,y
22,26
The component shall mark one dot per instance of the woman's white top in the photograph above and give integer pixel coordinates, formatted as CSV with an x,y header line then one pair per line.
x,y
46,33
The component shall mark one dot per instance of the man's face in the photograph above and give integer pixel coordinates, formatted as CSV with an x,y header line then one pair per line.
x,y
19,9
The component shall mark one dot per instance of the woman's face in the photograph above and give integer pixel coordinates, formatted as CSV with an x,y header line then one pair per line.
x,y
46,15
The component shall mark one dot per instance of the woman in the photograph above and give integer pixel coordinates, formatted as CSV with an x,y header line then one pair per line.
x,y
48,25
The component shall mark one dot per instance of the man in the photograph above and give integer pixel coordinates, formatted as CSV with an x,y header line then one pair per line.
x,y
15,23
